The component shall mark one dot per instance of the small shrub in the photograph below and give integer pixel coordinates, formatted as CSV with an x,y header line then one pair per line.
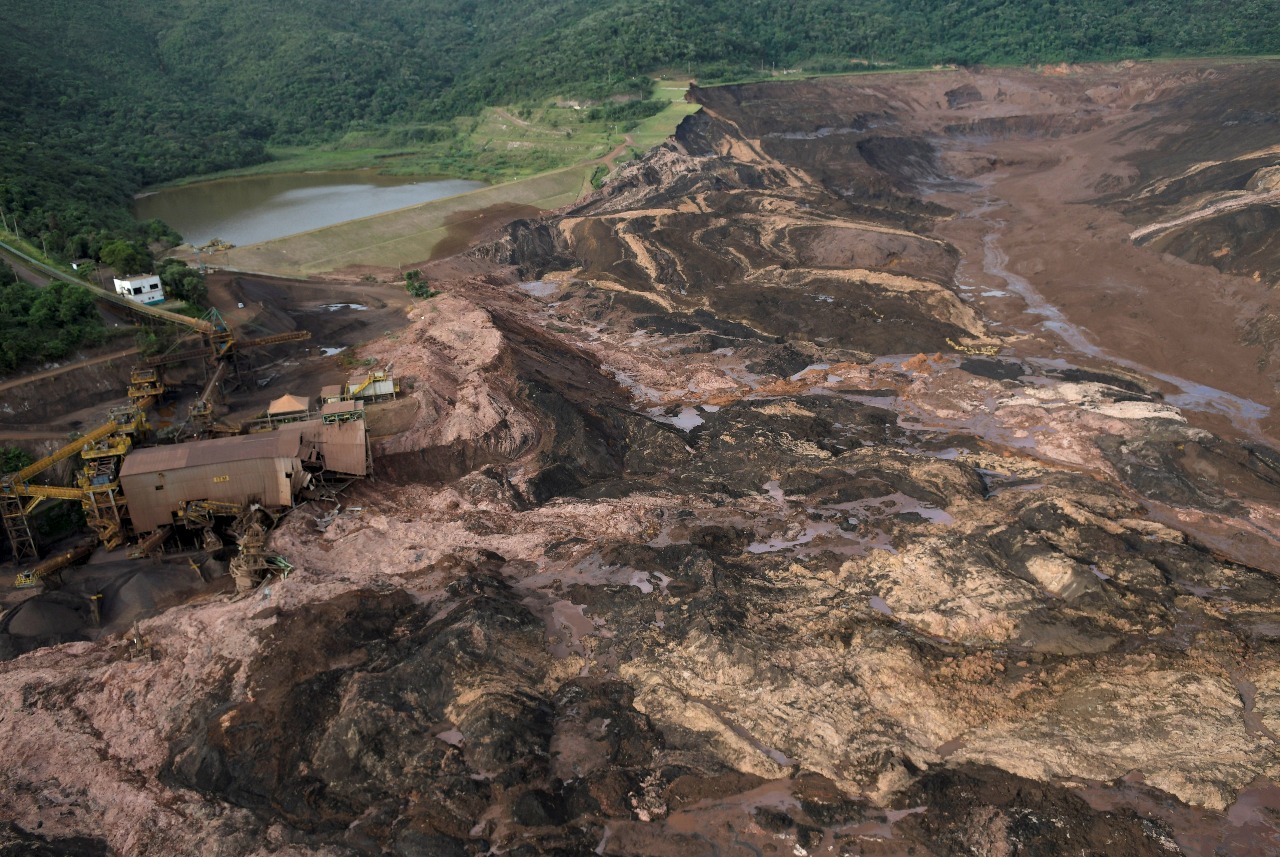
x,y
416,285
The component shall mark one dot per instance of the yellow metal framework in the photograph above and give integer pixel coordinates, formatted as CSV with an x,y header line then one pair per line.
x,y
97,488
197,514
145,383
33,575
373,377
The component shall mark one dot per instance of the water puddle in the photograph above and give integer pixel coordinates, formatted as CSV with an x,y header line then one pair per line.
x,y
880,605
881,829
897,503
452,737
812,367
687,420
539,288
1248,828
638,391
810,532
774,794
336,307
777,756
566,626
824,131
640,581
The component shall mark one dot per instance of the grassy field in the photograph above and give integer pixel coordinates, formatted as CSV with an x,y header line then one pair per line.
x,y
501,144
541,155
402,237
652,131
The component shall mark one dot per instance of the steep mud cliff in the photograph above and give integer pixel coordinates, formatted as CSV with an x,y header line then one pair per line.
x,y
724,513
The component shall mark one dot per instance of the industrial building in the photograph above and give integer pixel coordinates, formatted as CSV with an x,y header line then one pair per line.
x,y
338,442
264,468
151,495
147,495
144,288
377,386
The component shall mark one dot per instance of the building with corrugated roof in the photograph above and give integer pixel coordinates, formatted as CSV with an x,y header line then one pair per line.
x,y
264,468
374,387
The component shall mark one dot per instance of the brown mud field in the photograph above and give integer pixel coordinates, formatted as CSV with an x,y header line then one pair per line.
x,y
465,227
883,465
1049,174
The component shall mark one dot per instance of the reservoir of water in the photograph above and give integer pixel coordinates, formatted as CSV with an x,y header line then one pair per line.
x,y
250,209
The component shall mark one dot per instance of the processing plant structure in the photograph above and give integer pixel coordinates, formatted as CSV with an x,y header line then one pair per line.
x,y
134,492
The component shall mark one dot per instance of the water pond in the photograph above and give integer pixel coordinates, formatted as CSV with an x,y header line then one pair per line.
x,y
250,209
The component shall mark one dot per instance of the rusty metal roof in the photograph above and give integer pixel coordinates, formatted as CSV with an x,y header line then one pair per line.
x,y
343,445
272,444
341,407
288,404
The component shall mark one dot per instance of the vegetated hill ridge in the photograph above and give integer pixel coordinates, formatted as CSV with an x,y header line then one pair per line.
x,y
101,99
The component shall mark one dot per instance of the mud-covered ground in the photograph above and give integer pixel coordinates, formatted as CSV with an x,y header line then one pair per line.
x,y
796,494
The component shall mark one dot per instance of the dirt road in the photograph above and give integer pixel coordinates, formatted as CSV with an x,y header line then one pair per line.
x,y
609,159
69,367
26,274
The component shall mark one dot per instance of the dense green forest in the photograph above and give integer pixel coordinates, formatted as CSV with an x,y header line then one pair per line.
x,y
42,324
102,98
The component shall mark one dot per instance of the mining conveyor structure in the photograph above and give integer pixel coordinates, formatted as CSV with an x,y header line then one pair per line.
x,y
222,351
220,342
97,487
103,449
50,566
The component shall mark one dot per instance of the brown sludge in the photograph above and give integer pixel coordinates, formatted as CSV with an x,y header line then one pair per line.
x,y
881,466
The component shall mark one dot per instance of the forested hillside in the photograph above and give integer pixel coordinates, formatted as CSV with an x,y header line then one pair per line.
x,y
101,98
41,324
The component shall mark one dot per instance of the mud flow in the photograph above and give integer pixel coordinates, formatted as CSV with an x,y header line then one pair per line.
x,y
882,465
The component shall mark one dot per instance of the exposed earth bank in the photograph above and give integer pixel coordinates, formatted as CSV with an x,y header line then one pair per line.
x,y
798,493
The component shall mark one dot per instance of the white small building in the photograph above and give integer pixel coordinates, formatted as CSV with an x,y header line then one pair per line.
x,y
143,288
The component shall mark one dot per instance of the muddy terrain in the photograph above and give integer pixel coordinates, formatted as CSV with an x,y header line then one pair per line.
x,y
39,410
885,465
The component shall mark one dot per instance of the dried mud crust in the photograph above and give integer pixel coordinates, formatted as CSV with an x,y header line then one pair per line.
x,y
718,517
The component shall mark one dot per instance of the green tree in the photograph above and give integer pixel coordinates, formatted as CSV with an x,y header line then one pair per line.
x,y
417,285
183,282
126,257
46,323
13,459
